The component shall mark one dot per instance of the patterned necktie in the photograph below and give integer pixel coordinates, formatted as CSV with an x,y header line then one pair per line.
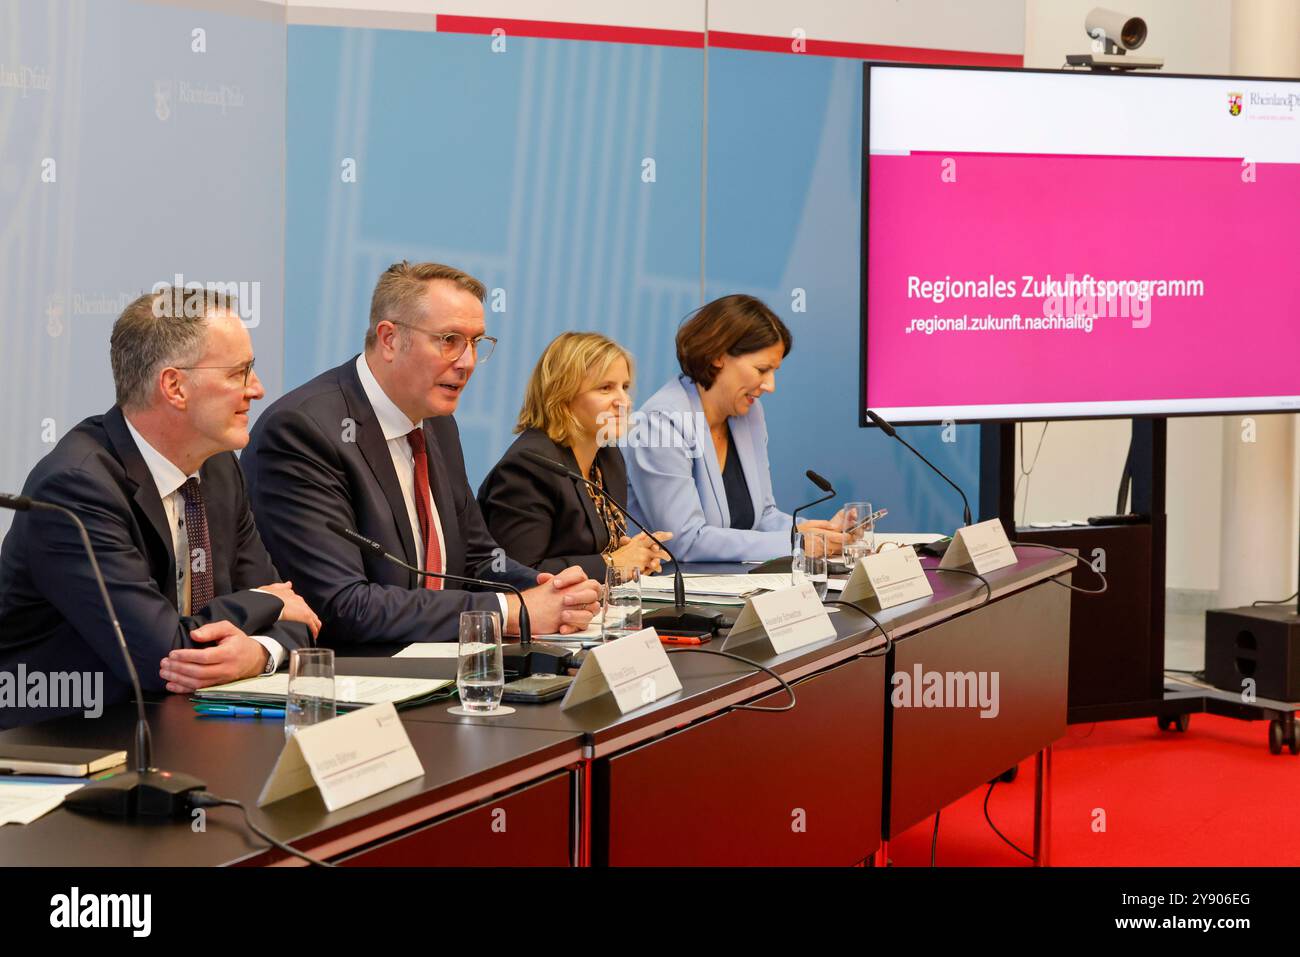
x,y
200,556
432,553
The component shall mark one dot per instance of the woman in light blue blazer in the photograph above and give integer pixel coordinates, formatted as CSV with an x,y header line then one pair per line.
x,y
697,449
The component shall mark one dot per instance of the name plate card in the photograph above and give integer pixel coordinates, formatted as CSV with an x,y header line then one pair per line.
x,y
984,547
635,669
348,758
792,617
887,579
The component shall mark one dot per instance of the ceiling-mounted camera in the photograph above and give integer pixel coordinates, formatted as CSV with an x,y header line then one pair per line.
x,y
1114,35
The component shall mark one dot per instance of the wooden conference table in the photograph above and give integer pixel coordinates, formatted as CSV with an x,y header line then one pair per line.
x,y
688,780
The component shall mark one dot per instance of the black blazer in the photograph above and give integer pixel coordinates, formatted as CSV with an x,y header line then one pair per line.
x,y
544,519
51,615
318,454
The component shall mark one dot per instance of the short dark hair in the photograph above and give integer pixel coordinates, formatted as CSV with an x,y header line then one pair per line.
x,y
734,325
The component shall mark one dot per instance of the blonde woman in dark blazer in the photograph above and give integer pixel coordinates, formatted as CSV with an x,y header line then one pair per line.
x,y
576,407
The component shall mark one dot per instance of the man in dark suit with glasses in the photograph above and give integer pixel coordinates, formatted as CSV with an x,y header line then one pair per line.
x,y
157,485
372,445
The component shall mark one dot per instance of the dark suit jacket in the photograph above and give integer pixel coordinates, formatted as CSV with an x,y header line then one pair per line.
x,y
544,519
51,615
318,454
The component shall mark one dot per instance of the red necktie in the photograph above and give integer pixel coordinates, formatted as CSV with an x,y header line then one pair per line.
x,y
432,554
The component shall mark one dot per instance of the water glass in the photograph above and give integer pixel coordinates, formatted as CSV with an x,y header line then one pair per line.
x,y
480,673
310,698
811,561
859,530
620,610
853,553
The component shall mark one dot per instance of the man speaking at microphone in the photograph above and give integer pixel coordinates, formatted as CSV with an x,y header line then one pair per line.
x,y
156,484
372,445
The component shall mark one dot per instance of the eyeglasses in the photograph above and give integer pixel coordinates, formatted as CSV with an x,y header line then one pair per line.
x,y
452,345
246,368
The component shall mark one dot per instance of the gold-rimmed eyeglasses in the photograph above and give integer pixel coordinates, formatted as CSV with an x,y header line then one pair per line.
x,y
452,345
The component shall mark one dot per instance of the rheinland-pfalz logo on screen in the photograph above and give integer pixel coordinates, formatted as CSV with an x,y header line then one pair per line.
x,y
1265,106
75,910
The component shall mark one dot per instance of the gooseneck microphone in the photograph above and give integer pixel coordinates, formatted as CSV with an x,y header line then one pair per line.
x,y
372,546
682,616
782,565
822,484
541,657
890,431
146,791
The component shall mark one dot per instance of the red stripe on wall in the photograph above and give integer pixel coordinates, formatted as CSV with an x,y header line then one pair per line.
x,y
864,51
570,31
447,23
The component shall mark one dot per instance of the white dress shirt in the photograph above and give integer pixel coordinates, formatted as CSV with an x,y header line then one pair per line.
x,y
395,425
169,479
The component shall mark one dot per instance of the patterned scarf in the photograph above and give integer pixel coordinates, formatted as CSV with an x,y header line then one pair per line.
x,y
612,517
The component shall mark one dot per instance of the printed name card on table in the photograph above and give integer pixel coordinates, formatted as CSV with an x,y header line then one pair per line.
x,y
887,579
348,758
984,547
791,618
634,669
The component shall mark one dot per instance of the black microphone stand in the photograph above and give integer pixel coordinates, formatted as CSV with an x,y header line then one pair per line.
x,y
681,617
822,484
785,564
146,791
531,658
890,431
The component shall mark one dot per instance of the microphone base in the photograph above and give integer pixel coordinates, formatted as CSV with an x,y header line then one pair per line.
x,y
773,566
935,549
536,658
136,794
687,618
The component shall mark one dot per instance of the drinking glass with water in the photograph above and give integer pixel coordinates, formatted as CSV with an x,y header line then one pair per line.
x,y
480,674
310,698
859,528
811,561
620,611
853,553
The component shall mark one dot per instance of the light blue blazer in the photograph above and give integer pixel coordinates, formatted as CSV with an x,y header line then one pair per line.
x,y
675,484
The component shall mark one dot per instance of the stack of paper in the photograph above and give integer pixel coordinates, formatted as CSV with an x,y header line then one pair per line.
x,y
350,691
718,589
430,649
712,589
22,802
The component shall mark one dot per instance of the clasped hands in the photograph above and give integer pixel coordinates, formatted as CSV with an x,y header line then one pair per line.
x,y
560,604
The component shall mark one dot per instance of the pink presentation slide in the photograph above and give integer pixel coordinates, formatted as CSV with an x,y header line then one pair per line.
x,y
1018,279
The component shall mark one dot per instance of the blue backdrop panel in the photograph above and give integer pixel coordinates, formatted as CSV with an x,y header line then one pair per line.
x,y
528,168
131,149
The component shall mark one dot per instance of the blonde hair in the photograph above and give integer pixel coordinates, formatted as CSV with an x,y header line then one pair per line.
x,y
558,377
401,290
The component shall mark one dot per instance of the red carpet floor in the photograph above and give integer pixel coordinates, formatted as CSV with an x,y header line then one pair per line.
x,y
1212,796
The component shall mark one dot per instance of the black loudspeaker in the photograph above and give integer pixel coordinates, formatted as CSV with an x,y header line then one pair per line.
x,y
1116,657
1260,643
